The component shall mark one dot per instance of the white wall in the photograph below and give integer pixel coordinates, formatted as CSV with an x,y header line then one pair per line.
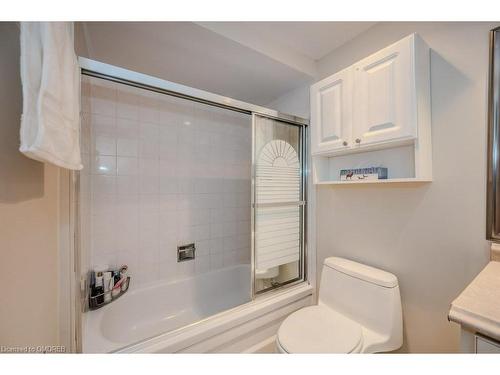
x,y
431,236
294,102
28,220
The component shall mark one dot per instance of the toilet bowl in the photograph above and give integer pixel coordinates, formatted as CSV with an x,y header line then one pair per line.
x,y
324,331
358,311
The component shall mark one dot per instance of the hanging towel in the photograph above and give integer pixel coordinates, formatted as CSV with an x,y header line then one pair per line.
x,y
50,124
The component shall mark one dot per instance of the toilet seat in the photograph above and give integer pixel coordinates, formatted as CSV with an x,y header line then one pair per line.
x,y
319,329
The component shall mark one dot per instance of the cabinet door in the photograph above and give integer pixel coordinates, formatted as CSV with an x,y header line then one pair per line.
x,y
486,346
384,96
331,113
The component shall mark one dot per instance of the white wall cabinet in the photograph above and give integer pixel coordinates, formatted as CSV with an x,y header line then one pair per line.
x,y
384,107
379,103
332,112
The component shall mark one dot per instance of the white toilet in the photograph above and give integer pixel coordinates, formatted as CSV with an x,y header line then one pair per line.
x,y
359,311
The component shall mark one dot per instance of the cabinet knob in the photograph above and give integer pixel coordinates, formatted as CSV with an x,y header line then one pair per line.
x,y
358,140
345,143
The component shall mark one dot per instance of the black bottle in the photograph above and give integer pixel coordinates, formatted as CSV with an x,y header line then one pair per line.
x,y
99,289
92,302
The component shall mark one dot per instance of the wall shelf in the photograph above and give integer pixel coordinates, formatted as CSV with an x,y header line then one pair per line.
x,y
369,182
400,162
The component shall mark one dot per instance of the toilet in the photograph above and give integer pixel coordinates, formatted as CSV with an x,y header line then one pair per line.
x,y
358,311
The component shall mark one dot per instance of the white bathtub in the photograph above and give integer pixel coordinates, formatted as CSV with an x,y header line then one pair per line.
x,y
207,313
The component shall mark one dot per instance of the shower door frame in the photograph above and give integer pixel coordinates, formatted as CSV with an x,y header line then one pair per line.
x,y
70,241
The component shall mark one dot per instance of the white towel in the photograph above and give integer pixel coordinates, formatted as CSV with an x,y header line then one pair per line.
x,y
50,124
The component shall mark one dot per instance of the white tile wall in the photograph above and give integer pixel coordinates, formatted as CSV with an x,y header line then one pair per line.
x,y
162,172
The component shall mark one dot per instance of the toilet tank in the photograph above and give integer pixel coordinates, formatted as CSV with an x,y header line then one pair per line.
x,y
366,295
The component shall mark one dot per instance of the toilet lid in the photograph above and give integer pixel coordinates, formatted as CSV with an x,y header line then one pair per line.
x,y
318,329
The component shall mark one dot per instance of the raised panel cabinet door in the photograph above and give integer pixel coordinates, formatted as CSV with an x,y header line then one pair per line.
x,y
331,113
384,100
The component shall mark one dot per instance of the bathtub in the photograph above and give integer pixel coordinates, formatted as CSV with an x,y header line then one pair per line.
x,y
212,312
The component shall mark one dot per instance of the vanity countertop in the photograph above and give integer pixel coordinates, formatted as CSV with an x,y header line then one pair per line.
x,y
478,306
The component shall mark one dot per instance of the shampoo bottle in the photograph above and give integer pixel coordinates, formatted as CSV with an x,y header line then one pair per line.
x,y
108,285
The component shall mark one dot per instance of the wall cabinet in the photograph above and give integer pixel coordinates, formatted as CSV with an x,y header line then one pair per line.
x,y
381,102
384,107
331,104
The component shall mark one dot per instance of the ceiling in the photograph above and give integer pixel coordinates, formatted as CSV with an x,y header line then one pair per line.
x,y
313,40
256,62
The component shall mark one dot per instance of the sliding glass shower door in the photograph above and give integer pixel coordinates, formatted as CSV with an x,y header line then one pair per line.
x,y
278,203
